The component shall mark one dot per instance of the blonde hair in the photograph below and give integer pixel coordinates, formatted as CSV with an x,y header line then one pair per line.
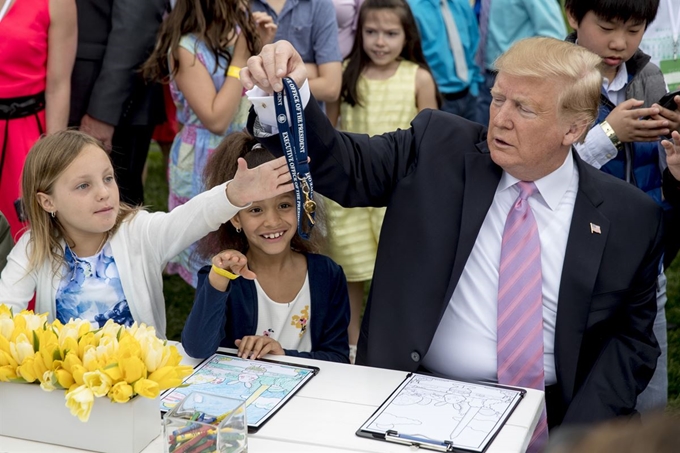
x,y
46,161
573,67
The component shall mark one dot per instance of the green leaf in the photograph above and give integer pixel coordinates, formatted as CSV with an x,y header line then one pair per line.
x,y
56,355
36,342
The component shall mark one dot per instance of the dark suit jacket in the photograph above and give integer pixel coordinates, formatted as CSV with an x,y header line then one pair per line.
x,y
437,180
114,38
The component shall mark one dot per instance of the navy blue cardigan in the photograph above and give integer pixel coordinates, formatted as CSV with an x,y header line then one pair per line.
x,y
219,318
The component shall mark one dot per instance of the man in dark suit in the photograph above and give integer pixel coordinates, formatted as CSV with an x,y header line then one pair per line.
x,y
448,188
109,98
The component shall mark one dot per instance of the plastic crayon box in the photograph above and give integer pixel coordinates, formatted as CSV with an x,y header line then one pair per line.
x,y
195,426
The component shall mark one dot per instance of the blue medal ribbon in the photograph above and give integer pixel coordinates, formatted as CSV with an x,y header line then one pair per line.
x,y
292,134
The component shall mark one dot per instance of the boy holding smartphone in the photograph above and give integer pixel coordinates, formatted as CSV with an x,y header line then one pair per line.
x,y
622,143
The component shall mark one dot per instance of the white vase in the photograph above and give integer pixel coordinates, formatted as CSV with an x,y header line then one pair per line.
x,y
29,412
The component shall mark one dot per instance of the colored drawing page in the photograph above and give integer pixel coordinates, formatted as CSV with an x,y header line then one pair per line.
x,y
426,407
265,386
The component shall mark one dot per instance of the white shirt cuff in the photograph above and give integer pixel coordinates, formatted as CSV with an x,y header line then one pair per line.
x,y
263,104
597,150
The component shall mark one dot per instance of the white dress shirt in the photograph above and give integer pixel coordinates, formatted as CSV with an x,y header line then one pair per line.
x,y
597,149
464,346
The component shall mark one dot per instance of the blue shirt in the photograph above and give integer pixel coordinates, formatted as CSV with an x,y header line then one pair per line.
x,y
512,20
309,25
436,47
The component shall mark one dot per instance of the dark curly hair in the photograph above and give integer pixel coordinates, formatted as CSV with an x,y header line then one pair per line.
x,y
221,167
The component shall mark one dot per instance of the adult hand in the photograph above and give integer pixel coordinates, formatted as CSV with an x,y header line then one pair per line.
x,y
275,61
266,27
98,129
626,121
673,154
260,183
673,116
256,346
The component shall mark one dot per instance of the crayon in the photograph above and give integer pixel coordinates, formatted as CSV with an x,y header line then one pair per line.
x,y
188,446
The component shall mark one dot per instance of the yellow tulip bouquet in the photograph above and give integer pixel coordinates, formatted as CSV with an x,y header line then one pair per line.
x,y
114,361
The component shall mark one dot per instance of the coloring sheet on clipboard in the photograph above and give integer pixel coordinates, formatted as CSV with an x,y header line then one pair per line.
x,y
265,386
428,407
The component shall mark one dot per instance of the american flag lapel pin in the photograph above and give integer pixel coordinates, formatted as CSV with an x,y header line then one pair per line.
x,y
595,229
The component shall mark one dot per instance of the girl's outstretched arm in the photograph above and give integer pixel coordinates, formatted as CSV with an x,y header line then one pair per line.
x,y
168,233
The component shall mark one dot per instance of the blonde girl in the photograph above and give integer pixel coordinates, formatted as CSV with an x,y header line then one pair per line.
x,y
89,256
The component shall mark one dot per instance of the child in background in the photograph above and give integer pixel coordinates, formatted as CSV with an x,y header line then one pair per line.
x,y
89,256
622,142
311,27
386,82
202,46
290,300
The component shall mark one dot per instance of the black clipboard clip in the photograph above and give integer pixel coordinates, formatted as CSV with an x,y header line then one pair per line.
x,y
418,442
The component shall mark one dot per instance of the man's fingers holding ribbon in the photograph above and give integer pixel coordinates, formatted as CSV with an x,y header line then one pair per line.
x,y
274,62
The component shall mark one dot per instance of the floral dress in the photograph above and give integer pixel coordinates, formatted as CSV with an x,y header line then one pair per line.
x,y
91,289
192,147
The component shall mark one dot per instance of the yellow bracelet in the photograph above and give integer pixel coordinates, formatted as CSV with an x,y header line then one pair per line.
x,y
224,273
234,71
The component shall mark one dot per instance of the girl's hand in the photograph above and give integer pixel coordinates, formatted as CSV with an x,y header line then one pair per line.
x,y
673,154
266,27
255,346
260,183
232,261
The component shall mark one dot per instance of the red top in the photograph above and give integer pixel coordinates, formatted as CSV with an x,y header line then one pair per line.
x,y
23,48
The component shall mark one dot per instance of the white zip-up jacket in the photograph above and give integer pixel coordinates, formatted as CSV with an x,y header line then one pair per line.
x,y
142,246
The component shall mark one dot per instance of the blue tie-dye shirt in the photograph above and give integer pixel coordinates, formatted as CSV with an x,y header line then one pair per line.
x,y
91,289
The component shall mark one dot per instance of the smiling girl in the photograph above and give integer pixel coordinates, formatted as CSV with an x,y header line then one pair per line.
x,y
89,256
386,82
290,300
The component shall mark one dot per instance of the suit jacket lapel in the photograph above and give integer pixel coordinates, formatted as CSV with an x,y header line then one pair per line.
x,y
582,258
481,180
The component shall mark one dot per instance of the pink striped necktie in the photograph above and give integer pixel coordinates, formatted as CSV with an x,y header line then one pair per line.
x,y
520,305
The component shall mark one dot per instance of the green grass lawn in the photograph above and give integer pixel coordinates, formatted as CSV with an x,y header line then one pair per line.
x,y
179,296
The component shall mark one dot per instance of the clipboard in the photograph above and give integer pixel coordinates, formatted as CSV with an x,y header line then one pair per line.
x,y
266,385
442,414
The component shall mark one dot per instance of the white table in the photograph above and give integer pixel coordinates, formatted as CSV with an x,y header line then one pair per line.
x,y
325,414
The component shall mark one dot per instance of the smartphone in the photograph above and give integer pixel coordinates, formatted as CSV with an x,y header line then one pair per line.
x,y
667,101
